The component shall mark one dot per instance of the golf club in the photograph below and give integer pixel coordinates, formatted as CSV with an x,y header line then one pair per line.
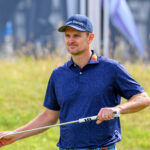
x,y
81,120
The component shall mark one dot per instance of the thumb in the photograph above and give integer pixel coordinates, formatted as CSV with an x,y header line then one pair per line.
x,y
98,121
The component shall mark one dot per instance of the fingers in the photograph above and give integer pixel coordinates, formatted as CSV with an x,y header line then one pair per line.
x,y
3,142
105,114
6,140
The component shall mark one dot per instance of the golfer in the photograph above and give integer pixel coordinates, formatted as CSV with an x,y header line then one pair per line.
x,y
86,85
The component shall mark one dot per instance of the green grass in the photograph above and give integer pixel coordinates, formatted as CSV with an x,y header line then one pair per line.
x,y
22,89
136,127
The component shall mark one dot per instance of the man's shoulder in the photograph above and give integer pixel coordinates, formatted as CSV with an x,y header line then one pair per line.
x,y
60,69
108,62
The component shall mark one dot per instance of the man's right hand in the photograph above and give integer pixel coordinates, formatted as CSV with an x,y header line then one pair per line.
x,y
6,139
48,117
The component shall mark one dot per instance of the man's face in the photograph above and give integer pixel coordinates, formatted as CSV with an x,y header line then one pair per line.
x,y
76,41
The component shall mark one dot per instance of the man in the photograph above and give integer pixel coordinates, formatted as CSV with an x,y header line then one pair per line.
x,y
86,85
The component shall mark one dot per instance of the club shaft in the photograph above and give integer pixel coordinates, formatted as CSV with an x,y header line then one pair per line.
x,y
117,114
40,128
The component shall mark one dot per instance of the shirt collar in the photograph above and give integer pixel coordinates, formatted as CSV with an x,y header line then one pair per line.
x,y
70,62
93,59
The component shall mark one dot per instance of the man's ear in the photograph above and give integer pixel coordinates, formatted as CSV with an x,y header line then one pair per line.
x,y
91,36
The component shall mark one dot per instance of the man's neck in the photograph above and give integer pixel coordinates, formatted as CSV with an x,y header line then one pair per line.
x,y
82,59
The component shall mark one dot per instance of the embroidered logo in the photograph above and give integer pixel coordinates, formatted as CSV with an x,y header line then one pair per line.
x,y
94,57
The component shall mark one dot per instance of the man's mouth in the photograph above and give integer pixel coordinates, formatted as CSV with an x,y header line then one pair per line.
x,y
72,46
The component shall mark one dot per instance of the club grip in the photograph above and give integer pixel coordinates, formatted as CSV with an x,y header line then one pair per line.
x,y
87,119
115,114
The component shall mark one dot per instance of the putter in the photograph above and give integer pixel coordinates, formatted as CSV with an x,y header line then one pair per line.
x,y
81,120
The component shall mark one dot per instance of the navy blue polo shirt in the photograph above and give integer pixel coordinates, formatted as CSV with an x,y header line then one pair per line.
x,y
79,93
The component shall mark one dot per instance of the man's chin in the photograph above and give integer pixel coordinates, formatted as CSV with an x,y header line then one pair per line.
x,y
74,52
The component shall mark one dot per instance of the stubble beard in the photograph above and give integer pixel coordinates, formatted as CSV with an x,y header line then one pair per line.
x,y
75,52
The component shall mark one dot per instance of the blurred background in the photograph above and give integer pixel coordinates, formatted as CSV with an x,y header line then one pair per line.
x,y
31,48
29,27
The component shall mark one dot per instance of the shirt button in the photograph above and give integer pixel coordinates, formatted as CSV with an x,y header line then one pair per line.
x,y
74,65
80,72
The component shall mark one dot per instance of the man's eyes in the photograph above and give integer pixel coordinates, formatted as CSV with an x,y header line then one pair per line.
x,y
67,35
76,35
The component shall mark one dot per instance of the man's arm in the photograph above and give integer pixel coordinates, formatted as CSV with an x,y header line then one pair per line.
x,y
134,104
48,117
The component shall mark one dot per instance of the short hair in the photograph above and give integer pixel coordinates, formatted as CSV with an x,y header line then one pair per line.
x,y
87,33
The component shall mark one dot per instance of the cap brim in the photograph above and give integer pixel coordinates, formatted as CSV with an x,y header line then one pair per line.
x,y
63,28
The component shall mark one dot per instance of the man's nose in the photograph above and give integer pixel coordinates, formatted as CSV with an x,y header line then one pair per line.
x,y
71,39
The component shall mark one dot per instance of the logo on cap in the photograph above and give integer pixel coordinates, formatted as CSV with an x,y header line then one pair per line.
x,y
75,22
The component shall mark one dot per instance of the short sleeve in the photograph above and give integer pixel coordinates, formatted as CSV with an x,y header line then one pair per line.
x,y
126,85
50,97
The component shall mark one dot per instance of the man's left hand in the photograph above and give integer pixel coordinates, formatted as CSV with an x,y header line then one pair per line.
x,y
106,114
